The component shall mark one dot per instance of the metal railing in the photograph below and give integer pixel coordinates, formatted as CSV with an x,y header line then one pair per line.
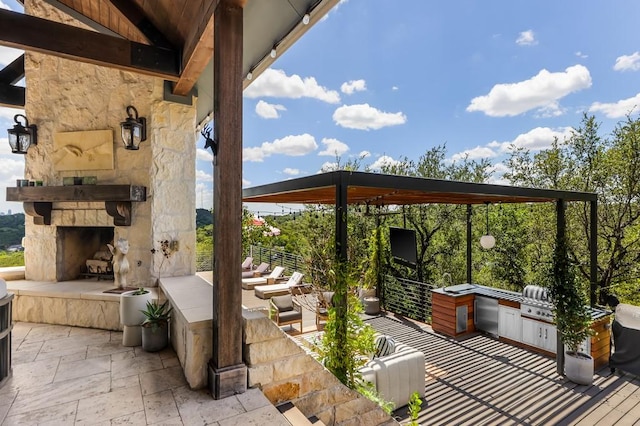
x,y
408,298
274,257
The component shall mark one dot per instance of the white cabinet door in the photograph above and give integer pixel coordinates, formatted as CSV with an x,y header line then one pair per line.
x,y
530,332
509,323
549,337
539,334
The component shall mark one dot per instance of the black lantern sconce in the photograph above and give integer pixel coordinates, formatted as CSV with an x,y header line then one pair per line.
x,y
134,129
22,137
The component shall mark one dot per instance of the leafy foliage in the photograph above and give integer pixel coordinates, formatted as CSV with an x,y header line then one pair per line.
x,y
11,259
156,314
572,317
415,402
11,230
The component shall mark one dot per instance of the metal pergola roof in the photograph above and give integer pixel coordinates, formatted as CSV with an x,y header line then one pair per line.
x,y
381,189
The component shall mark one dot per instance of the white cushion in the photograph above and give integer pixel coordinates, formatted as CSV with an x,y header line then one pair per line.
x,y
385,345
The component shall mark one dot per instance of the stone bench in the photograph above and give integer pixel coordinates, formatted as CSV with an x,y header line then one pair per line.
x,y
191,329
75,303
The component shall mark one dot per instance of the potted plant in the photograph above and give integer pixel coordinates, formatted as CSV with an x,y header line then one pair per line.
x,y
131,305
572,316
155,328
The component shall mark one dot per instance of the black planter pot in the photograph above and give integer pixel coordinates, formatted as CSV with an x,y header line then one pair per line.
x,y
155,339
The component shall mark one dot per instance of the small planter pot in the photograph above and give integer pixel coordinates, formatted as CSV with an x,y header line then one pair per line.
x,y
155,339
578,367
131,316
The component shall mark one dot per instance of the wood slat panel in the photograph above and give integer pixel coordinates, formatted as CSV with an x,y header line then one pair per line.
x,y
480,380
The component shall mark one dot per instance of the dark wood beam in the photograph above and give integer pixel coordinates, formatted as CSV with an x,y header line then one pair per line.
x,y
197,51
227,372
12,96
53,38
131,12
14,72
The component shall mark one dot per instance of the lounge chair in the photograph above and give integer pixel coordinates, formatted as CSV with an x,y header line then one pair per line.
x,y
247,264
286,310
323,304
268,291
250,283
256,273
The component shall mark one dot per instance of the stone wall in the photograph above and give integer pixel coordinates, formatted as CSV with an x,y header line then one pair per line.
x,y
285,372
65,96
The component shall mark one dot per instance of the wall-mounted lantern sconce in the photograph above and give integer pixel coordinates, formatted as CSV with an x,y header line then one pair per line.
x,y
134,129
22,137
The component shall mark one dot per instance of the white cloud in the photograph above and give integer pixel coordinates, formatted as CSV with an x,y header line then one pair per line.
x,y
8,54
617,109
267,110
333,147
540,91
527,38
394,87
328,166
364,154
353,86
291,172
537,139
382,161
475,153
628,62
333,10
245,182
276,83
204,155
292,145
581,55
203,176
365,117
3,5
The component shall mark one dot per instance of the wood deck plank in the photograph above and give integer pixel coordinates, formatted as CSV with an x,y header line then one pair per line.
x,y
481,380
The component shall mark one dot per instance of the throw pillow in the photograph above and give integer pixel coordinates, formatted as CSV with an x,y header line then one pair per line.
x,y
385,345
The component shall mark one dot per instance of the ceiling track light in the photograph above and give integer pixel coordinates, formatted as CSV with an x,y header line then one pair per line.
x,y
250,75
273,53
306,19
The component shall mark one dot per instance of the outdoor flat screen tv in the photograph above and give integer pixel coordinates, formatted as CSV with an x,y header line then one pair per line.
x,y
403,246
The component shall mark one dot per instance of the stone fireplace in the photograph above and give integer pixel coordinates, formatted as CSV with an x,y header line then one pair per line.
x,y
78,244
68,96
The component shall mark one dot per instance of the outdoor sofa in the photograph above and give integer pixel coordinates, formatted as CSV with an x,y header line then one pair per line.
x,y
397,375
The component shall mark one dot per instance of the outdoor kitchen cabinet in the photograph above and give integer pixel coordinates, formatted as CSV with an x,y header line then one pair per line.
x,y
539,334
509,323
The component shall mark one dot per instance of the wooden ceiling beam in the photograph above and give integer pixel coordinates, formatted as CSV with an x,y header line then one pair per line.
x,y
53,38
132,13
14,72
197,50
11,96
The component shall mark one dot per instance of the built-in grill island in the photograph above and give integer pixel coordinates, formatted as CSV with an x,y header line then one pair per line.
x,y
536,303
524,319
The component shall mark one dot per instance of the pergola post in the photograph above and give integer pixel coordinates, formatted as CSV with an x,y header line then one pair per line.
x,y
227,372
560,236
469,237
593,251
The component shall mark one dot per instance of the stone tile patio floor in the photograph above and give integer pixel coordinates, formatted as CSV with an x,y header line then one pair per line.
x,y
69,375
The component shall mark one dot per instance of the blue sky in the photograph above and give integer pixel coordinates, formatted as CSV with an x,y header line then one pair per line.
x,y
386,79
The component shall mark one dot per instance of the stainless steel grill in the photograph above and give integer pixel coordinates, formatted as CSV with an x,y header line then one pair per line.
x,y
536,303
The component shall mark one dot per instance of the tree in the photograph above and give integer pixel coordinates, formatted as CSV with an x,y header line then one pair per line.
x,y
440,228
609,166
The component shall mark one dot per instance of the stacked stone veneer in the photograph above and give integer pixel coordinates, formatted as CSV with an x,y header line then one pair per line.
x,y
285,372
64,96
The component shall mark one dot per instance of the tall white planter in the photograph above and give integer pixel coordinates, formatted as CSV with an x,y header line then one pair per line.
x,y
578,367
131,316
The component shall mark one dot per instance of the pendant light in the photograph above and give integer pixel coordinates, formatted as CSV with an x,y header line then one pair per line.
x,y
487,241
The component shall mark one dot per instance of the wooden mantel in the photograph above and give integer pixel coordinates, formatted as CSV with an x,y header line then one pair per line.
x,y
38,200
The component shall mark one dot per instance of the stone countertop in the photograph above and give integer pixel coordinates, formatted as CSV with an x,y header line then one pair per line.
x,y
498,293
